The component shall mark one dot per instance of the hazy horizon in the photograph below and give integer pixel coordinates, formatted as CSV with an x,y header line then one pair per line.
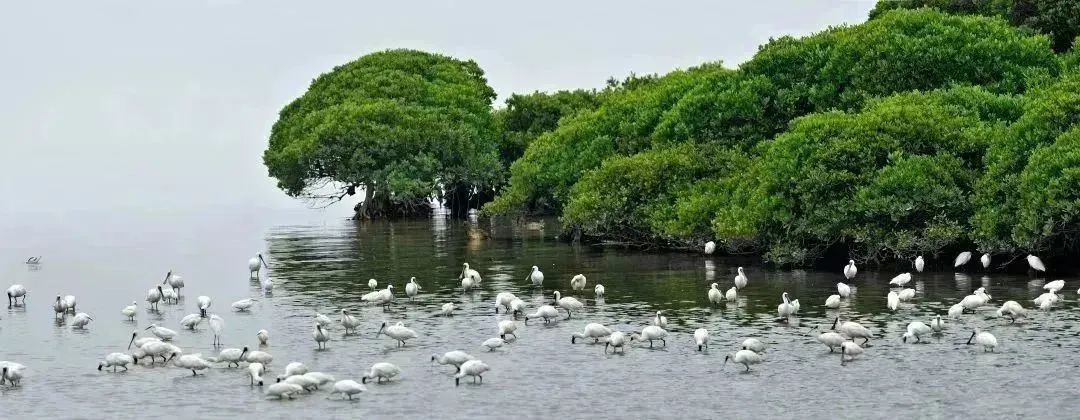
x,y
167,106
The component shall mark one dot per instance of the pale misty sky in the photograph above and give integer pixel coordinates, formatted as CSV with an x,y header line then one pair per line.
x,y
147,105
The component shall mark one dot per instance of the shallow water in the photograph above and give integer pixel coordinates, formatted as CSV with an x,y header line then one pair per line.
x,y
324,266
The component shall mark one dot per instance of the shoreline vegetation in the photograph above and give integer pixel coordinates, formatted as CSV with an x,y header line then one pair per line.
x,y
933,128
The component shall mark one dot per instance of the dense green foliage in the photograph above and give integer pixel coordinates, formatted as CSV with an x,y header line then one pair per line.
x,y
1059,19
400,124
526,117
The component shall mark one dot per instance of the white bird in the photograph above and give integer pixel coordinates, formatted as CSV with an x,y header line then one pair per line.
x,y
1035,263
536,277
1045,300
372,284
599,291
616,341
843,290
972,302
216,325
1012,309
983,338
795,306
169,295
255,264
660,320
294,368
447,309
255,371
305,382
162,333
139,341
322,320
937,324
380,371
130,310
349,322
348,388
115,360
901,280
715,295
852,330
650,333
203,303
915,330
174,281
455,358
701,337
261,357
264,337
503,299
785,309
517,306
753,345
740,279
547,312
283,390
319,378
474,368
11,372
985,260
956,310
1055,286
850,271
848,351
962,259
397,331
906,294
59,306
743,357
69,302
578,282
919,263
832,302
190,321
380,297
592,330
320,335
470,273
194,362
710,247
81,320
731,294
14,293
243,304
568,303
33,260
507,327
412,288
154,349
493,343
230,356
832,339
467,284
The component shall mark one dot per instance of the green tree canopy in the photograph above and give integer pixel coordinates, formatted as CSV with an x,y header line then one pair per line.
x,y
527,116
403,125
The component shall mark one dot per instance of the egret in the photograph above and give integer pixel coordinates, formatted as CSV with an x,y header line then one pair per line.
x,y
710,247
204,304
850,271
255,264
255,371
985,260
503,299
578,282
129,311
474,368
937,324
901,280
906,294
193,362
493,343
568,303
547,312
11,372
115,360
447,309
216,325
983,338
507,327
190,321
372,284
852,330
599,291
230,356
843,290
919,263
1012,309
740,279
348,388
282,390
715,296
660,320
785,309
701,337
1055,286
322,320
14,293
81,320
1035,263
397,331
832,339
154,296
320,335
753,345
412,288
962,259
743,357
916,329
650,333
243,304
616,341
59,306
536,277
848,351
349,322
263,336
260,357
174,281
470,273
380,371
832,302
592,330
162,333
731,294
455,358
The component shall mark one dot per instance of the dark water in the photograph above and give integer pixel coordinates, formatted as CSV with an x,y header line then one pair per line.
x,y
324,266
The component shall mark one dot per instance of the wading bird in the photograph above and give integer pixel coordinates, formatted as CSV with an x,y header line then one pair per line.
x,y
535,277
474,368
380,371
850,270
578,282
743,357
255,264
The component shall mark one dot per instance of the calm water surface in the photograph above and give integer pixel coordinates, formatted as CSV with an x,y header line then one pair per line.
x,y
324,266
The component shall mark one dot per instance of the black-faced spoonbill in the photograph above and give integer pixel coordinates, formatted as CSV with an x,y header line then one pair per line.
x,y
507,327
493,343
473,275
349,322
916,330
81,320
204,304
130,311
962,259
919,263
115,360
650,333
454,358
175,281
255,264
283,390
320,335
578,282
255,371
412,288
701,337
14,293
714,295
474,368
592,330
153,296
380,371
743,357
850,270
1012,309
263,336
230,356
547,312
740,279
983,338
11,372
243,304
1035,263
397,331
348,388
848,351
217,324
659,320
535,277
568,303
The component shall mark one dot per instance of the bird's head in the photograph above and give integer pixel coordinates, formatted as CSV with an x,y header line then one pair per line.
x,y
363,380
100,364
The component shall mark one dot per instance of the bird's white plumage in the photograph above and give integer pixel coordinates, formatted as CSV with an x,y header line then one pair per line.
x,y
1035,263
740,279
832,302
920,263
592,330
850,270
578,282
962,259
